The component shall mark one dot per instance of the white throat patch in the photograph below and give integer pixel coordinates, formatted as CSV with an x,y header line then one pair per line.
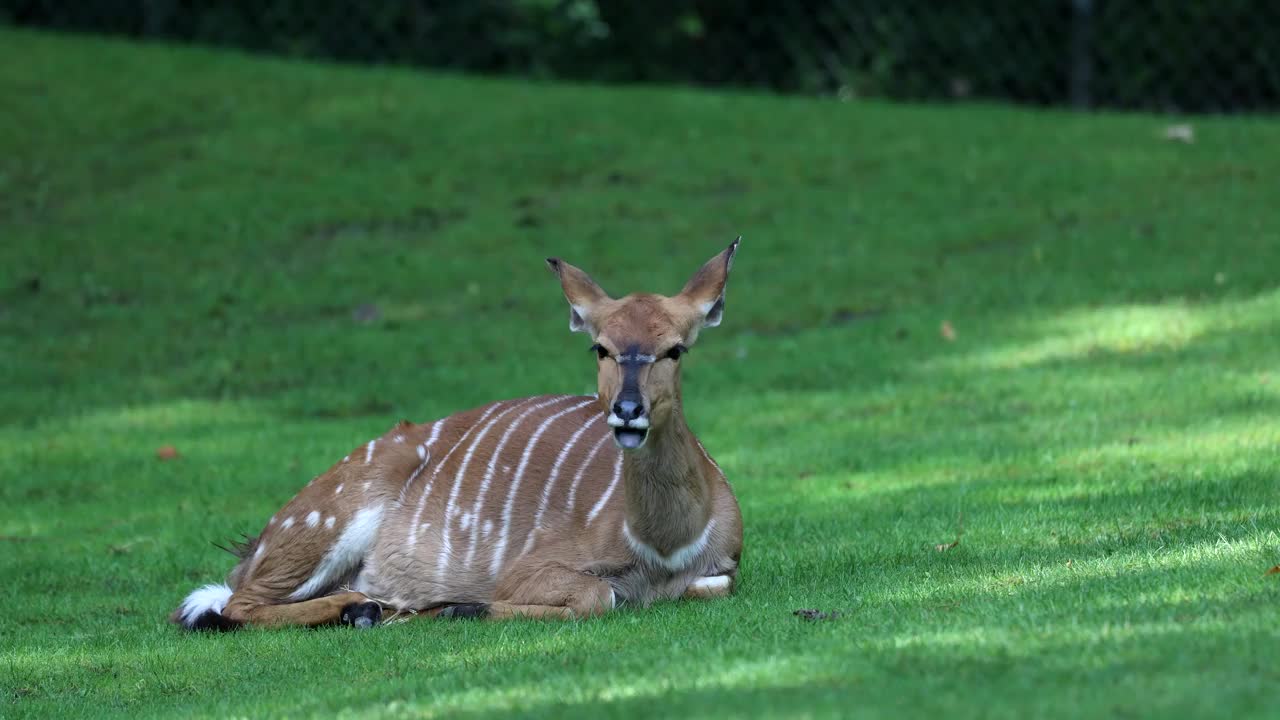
x,y
679,559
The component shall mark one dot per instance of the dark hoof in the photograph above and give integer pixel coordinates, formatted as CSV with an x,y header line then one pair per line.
x,y
212,620
362,615
464,611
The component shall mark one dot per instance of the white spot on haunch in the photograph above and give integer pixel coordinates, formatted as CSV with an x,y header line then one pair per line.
x,y
338,490
258,552
288,523
422,452
348,551
272,521
313,518
329,521
399,438
346,458
365,486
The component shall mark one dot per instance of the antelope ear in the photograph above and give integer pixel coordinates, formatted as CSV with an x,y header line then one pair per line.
x,y
705,290
583,294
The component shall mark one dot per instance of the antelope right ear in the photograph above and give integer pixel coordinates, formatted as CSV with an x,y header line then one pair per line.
x,y
583,294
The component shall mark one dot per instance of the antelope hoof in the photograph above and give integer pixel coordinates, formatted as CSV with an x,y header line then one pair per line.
x,y
362,615
464,611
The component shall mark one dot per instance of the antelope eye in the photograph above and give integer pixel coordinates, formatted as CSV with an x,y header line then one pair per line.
x,y
599,350
676,351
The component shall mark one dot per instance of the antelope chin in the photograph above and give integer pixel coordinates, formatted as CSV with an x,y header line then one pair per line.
x,y
629,438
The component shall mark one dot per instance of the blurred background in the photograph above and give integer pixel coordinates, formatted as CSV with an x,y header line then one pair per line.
x,y
1181,56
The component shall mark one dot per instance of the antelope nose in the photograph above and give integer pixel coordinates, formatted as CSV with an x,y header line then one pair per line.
x,y
628,410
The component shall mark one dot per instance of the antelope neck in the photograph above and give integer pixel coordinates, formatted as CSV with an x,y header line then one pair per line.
x,y
668,495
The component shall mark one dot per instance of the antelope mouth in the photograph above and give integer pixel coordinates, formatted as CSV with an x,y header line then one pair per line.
x,y
630,438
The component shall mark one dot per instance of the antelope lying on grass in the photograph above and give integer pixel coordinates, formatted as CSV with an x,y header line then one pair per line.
x,y
551,506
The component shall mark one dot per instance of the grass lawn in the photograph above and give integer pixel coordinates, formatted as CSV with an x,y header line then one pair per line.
x,y
264,263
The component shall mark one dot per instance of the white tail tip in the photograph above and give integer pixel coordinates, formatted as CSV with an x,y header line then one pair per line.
x,y
202,600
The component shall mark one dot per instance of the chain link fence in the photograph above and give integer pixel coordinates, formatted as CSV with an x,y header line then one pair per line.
x,y
1218,56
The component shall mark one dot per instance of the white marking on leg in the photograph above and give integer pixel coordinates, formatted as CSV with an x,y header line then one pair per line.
x,y
710,583
412,538
577,478
617,475
288,523
679,559
202,600
329,521
451,509
347,552
368,454
313,518
551,482
501,549
338,490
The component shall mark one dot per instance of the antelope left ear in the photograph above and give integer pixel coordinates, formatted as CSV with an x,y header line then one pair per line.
x,y
705,290
583,294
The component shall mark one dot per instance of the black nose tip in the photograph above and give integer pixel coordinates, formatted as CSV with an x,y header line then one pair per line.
x,y
628,410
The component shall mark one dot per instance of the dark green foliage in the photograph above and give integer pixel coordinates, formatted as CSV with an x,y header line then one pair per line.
x,y
1196,55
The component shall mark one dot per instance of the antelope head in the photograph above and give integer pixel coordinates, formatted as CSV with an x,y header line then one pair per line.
x,y
639,340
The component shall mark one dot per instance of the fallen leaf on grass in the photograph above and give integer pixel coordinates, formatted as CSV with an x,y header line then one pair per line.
x,y
815,614
948,332
946,546
167,452
1275,570
1181,133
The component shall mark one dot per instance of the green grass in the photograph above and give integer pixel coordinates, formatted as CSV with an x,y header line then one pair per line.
x,y
186,235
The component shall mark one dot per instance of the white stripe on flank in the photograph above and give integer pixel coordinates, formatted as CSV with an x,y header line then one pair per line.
x,y
347,552
368,454
491,468
577,478
551,481
426,458
435,432
505,530
679,559
617,475
451,508
422,501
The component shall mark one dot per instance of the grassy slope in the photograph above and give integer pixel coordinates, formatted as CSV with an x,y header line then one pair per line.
x,y
202,226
